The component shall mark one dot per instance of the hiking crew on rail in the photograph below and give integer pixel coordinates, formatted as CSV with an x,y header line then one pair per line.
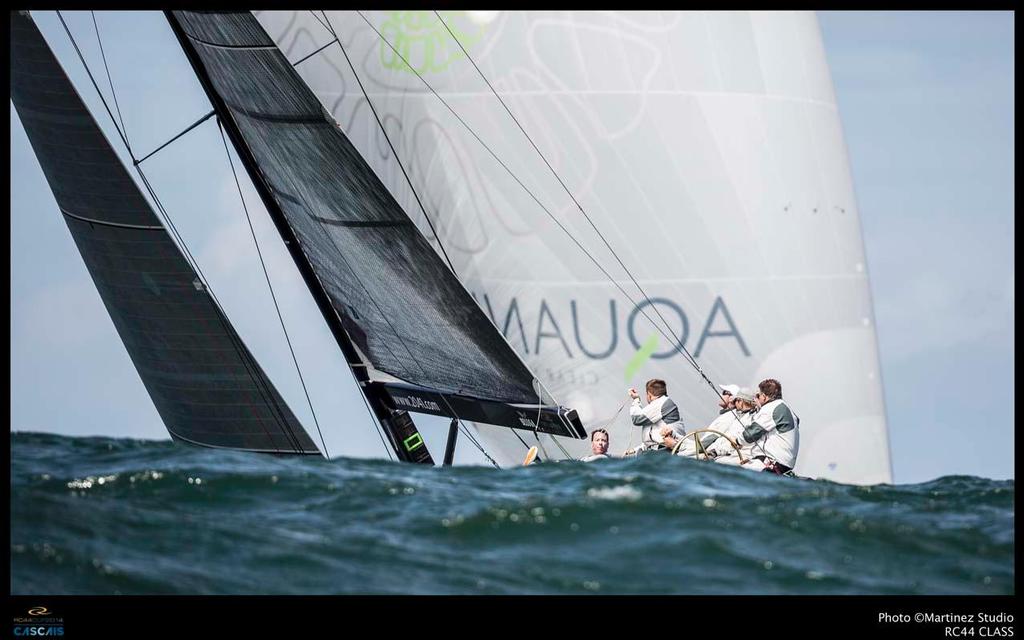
x,y
759,430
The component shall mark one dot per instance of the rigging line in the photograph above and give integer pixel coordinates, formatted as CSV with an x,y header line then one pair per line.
x,y
540,403
672,340
554,438
376,424
444,398
516,434
273,296
221,317
536,426
189,259
394,153
93,80
313,13
465,431
191,127
308,56
569,193
373,416
109,80
471,438
480,448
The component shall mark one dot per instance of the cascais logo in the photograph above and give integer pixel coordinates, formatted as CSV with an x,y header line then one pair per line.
x,y
41,622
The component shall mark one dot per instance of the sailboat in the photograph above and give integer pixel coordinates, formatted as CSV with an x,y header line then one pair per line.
x,y
706,147
605,96
411,333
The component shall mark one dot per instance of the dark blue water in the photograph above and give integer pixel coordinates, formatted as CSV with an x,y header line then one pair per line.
x,y
106,516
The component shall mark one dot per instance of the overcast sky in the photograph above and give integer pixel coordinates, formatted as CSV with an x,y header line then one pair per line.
x,y
926,101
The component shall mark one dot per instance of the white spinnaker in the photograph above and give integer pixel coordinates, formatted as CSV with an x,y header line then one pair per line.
x,y
707,150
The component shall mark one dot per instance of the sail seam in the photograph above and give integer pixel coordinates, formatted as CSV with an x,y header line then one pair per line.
x,y
364,223
310,119
213,446
121,225
240,47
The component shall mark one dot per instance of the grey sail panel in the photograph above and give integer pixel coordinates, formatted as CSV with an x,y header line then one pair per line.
x,y
206,386
399,303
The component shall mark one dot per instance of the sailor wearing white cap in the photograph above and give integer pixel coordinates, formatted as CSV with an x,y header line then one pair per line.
x,y
744,407
728,389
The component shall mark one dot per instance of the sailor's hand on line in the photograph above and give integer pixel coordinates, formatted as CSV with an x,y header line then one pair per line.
x,y
633,394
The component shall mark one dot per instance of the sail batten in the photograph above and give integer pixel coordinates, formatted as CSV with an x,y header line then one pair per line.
x,y
385,292
204,382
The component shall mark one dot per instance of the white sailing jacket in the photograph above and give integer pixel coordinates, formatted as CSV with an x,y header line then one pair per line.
x,y
728,424
774,432
662,412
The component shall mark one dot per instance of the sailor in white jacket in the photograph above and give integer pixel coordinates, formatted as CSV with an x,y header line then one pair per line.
x,y
726,419
659,413
774,431
732,425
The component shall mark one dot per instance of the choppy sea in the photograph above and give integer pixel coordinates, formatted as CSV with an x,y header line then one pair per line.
x,y
122,516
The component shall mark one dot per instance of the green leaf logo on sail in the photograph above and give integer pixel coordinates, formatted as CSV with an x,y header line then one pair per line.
x,y
424,42
642,355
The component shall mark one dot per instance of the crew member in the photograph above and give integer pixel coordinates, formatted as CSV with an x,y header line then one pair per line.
x,y
660,412
598,445
774,431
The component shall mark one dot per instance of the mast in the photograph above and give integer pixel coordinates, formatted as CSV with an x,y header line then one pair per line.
x,y
398,425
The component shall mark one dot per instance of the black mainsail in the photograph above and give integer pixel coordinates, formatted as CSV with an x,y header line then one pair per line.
x,y
412,333
206,385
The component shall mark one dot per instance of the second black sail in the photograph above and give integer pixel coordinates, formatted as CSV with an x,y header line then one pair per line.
x,y
206,385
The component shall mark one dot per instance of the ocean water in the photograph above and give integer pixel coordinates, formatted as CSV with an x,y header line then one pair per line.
x,y
122,516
